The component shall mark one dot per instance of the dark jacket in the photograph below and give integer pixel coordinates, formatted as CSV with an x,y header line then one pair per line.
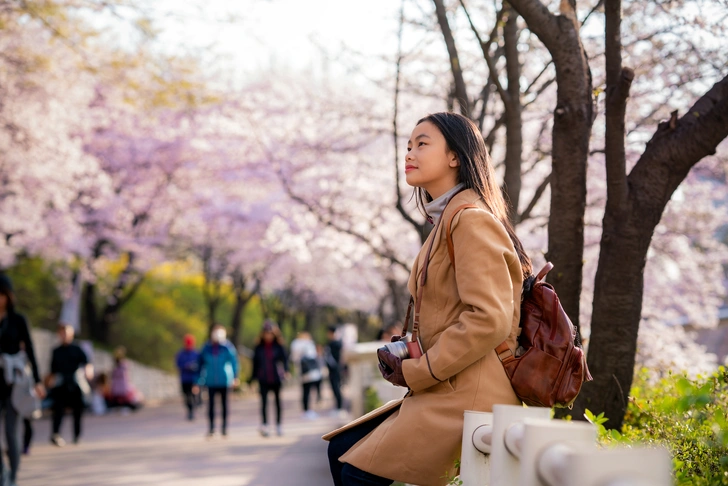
x,y
65,361
13,331
188,363
269,363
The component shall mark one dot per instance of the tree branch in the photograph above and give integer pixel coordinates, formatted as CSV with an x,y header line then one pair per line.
x,y
526,214
540,21
619,81
395,133
461,92
679,144
485,47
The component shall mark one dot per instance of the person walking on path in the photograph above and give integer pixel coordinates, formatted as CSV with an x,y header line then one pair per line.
x,y
218,372
270,368
466,305
69,371
305,356
332,357
188,364
14,336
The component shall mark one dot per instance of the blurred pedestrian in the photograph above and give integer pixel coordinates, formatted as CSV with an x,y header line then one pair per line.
x,y
123,393
219,373
332,357
305,356
270,368
14,335
70,371
188,364
387,332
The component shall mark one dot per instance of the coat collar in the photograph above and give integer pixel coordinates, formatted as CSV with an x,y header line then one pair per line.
x,y
467,196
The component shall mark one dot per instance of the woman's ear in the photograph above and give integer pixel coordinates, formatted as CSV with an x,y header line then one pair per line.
x,y
454,162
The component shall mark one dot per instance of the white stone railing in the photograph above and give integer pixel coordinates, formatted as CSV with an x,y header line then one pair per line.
x,y
362,362
518,446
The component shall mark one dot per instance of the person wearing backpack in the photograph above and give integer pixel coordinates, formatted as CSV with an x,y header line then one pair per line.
x,y
14,336
460,318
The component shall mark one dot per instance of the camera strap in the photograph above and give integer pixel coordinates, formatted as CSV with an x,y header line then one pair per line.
x,y
418,302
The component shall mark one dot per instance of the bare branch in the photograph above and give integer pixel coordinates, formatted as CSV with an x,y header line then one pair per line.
x,y
395,134
526,214
461,92
485,47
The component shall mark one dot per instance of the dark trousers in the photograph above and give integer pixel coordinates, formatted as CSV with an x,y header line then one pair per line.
x,y
264,389
335,380
191,399
223,392
63,399
307,387
27,434
11,437
345,474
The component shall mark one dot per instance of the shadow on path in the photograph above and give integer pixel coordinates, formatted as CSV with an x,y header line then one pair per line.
x,y
156,446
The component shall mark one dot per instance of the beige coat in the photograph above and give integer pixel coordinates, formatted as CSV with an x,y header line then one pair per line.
x,y
464,316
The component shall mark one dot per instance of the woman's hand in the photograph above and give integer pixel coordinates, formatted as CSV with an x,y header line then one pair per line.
x,y
392,372
40,391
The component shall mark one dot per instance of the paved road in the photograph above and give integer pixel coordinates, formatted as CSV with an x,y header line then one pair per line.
x,y
157,446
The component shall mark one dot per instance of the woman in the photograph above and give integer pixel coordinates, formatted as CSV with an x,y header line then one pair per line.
x,y
122,392
305,355
14,335
270,368
219,373
464,316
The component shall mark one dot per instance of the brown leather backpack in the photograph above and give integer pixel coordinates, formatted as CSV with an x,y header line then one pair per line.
x,y
548,366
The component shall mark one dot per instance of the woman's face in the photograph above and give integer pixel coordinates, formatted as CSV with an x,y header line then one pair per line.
x,y
429,164
268,337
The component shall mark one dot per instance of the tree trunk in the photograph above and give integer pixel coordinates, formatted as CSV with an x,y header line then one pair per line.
x,y
627,230
90,311
242,297
573,118
513,115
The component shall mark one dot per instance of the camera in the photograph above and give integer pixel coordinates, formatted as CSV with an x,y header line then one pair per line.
x,y
404,348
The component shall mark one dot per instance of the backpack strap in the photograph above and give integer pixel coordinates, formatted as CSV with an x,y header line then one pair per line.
x,y
450,247
502,350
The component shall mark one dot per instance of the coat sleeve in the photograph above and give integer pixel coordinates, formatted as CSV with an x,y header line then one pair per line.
x,y
234,360
29,350
484,264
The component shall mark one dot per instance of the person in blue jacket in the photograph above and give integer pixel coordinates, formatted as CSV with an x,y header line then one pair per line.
x,y
218,373
188,363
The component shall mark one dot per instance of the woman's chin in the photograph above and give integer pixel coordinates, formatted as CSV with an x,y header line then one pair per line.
x,y
411,180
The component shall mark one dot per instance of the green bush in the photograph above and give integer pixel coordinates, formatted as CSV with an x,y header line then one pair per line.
x,y
36,292
688,417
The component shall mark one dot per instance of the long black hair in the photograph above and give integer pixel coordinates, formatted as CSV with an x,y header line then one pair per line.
x,y
476,172
10,306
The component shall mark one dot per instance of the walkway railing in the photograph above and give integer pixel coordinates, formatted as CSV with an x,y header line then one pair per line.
x,y
518,446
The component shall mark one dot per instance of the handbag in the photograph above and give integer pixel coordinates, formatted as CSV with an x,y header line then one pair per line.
x,y
308,364
23,397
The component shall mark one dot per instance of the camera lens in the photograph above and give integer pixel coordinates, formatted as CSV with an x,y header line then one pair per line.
x,y
398,349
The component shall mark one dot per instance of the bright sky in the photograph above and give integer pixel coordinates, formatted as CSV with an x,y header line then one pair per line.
x,y
281,33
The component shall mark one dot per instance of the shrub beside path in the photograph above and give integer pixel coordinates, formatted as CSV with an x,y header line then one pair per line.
x,y
158,446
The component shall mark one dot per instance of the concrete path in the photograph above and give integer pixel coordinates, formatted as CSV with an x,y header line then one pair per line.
x,y
157,446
